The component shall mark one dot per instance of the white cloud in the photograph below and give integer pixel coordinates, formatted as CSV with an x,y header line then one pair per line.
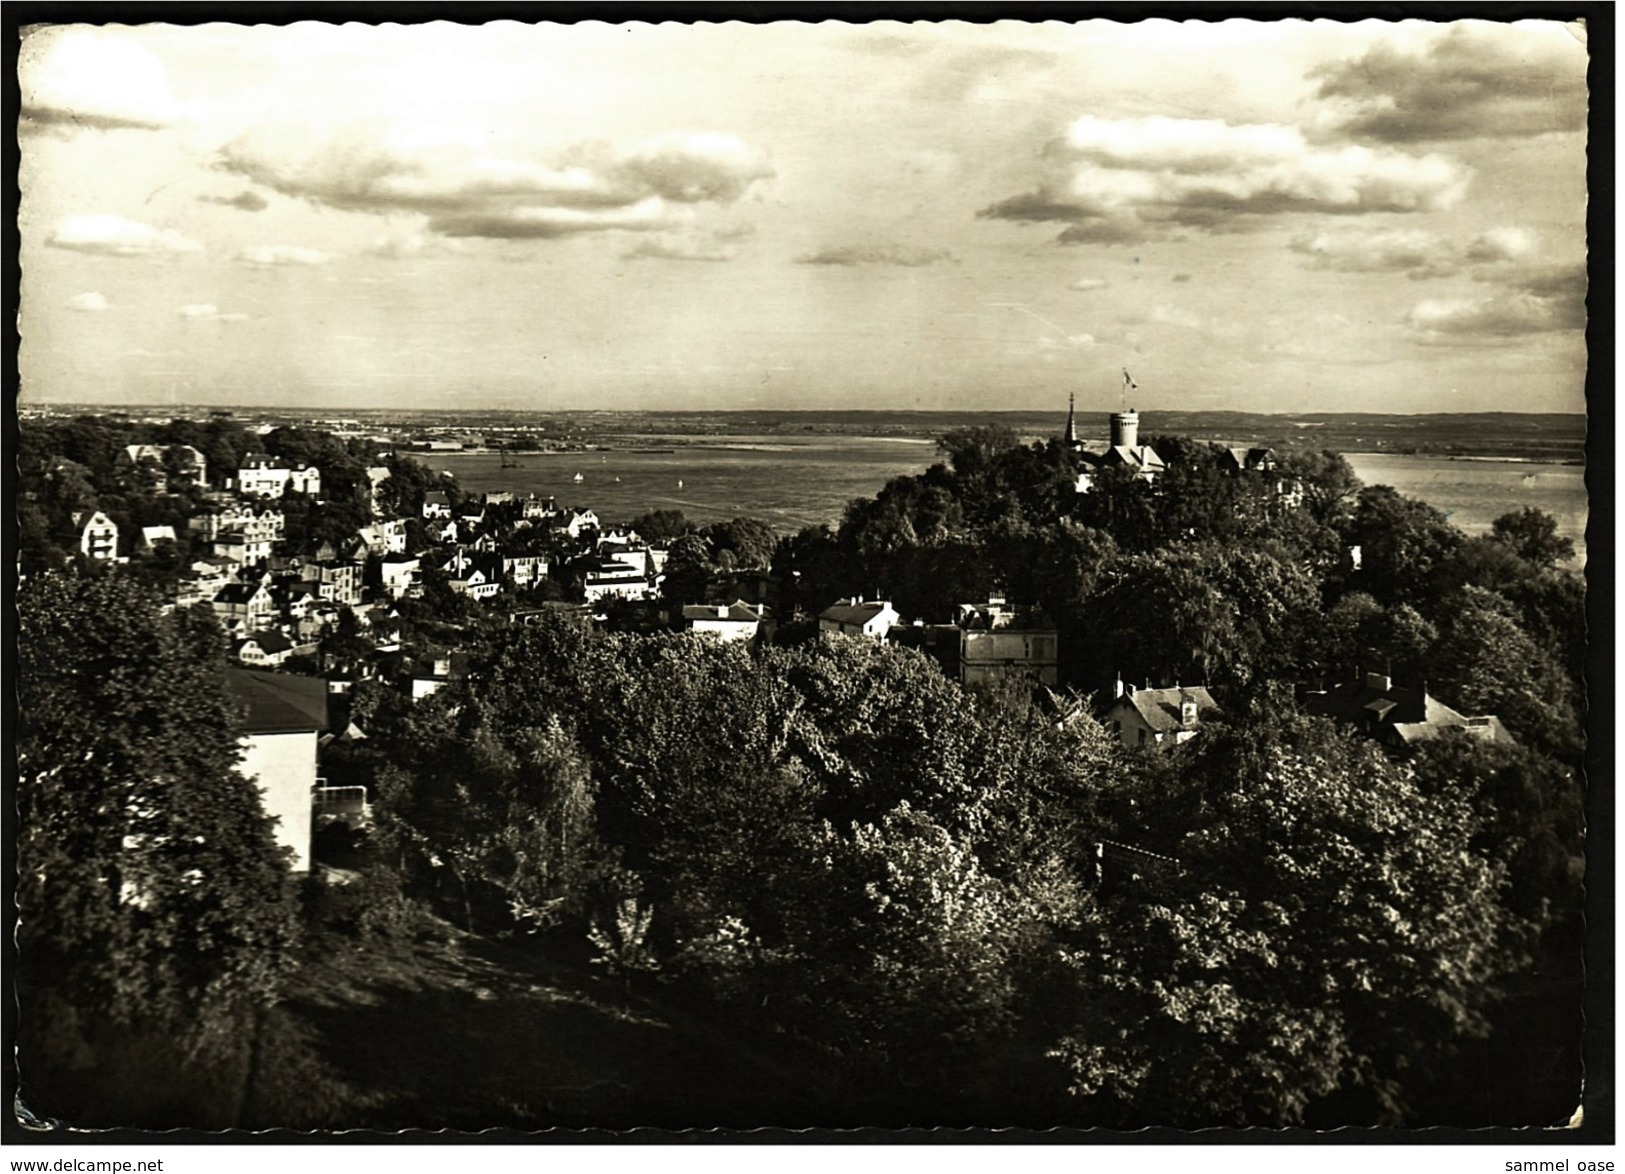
x,y
205,312
90,302
85,78
1087,284
1386,250
469,186
1174,316
1502,244
1120,180
398,246
118,237
266,256
1081,342
1533,300
1411,251
682,248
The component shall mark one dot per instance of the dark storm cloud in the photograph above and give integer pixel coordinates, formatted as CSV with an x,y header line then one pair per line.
x,y
1476,81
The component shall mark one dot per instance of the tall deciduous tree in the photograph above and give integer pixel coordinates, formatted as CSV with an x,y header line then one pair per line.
x,y
151,893
1329,930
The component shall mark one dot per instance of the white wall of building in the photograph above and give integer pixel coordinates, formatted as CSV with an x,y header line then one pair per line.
x,y
284,766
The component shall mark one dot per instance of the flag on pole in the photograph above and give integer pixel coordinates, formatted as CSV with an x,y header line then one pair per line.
x,y
1128,380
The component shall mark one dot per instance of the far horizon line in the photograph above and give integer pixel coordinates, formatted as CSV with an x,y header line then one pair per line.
x,y
330,409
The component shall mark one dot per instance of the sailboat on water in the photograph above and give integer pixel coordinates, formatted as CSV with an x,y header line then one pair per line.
x,y
679,482
579,478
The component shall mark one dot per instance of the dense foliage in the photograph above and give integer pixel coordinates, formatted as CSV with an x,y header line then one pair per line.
x,y
977,900
152,900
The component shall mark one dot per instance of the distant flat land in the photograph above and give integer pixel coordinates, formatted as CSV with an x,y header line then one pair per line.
x,y
1504,435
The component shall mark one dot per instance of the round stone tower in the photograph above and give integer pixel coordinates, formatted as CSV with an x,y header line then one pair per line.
x,y
1126,429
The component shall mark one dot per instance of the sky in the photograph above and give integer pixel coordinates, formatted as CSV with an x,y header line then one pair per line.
x,y
1280,216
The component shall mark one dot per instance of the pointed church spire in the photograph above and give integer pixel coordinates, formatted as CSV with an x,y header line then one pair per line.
x,y
1071,422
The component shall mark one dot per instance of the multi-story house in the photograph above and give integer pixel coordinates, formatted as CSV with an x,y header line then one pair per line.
x,y
526,570
240,547
98,535
334,580
262,475
245,607
159,462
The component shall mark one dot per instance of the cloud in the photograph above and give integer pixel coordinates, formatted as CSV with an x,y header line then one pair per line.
x,y
1416,253
89,302
1121,180
117,237
910,256
245,201
1181,278
702,247
1533,300
470,187
1087,284
1476,80
204,312
269,256
399,246
1501,244
1080,342
81,78
1174,316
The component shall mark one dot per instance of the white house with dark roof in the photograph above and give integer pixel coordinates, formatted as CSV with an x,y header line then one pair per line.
x,y
859,617
1159,718
285,716
98,535
263,649
151,536
726,621
244,607
262,475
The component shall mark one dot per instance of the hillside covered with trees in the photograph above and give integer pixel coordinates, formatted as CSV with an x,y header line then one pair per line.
x,y
940,905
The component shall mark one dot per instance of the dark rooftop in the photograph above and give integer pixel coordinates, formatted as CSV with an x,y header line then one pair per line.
x,y
279,703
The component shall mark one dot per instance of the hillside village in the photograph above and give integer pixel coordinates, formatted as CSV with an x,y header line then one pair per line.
x,y
389,599
1070,640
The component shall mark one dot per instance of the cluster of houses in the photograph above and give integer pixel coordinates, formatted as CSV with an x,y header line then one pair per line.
x,y
276,603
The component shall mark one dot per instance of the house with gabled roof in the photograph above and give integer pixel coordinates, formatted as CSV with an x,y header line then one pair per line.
x,y
1158,718
98,535
284,716
266,649
151,536
859,617
1397,716
726,621
244,607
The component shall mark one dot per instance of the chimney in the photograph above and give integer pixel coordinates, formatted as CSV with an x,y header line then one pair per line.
x,y
1117,690
1126,429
